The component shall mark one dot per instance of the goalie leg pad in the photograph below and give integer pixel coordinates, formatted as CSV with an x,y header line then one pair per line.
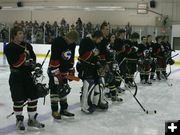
x,y
87,95
99,97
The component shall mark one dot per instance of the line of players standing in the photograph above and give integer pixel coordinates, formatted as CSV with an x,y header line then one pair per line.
x,y
105,60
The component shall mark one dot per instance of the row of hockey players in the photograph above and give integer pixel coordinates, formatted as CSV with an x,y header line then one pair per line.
x,y
103,62
106,61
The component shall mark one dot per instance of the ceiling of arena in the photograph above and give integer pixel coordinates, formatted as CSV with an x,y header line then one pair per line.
x,y
73,4
75,1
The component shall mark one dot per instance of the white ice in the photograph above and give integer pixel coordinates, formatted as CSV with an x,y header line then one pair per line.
x,y
126,118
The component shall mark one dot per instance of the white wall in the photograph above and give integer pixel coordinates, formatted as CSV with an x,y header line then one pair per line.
x,y
175,32
40,48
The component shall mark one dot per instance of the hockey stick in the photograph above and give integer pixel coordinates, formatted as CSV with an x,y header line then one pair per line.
x,y
175,55
169,71
42,63
13,112
45,58
166,81
134,95
122,61
170,65
146,111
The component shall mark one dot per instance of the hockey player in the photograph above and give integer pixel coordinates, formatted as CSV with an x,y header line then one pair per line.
x,y
144,53
158,52
60,66
102,46
150,45
22,62
131,58
88,66
119,47
167,53
104,54
112,75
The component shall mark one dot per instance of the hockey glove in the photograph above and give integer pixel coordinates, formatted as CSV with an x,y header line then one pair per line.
x,y
30,64
38,70
115,67
134,49
95,51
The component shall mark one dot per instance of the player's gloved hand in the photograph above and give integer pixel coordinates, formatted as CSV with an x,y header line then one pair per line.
x,y
115,67
38,65
95,51
38,70
58,78
30,64
140,61
134,49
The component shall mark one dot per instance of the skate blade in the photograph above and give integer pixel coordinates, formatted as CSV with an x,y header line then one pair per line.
x,y
57,120
21,131
67,117
120,94
87,112
117,102
34,129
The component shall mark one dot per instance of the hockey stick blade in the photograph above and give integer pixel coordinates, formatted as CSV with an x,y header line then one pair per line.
x,y
7,117
150,112
168,83
13,112
73,78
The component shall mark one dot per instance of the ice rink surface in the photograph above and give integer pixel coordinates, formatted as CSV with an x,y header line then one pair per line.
x,y
125,118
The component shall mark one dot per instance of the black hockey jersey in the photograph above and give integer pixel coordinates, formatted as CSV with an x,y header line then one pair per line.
x,y
144,51
18,54
62,54
158,50
166,49
119,47
86,51
102,46
130,51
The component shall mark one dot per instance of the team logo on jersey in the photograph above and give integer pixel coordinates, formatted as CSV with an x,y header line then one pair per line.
x,y
146,53
66,55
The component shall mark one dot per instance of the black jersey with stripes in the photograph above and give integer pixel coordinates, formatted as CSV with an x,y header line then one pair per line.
x,y
62,54
18,54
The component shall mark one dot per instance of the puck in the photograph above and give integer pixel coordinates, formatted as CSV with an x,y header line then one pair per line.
x,y
147,112
155,111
